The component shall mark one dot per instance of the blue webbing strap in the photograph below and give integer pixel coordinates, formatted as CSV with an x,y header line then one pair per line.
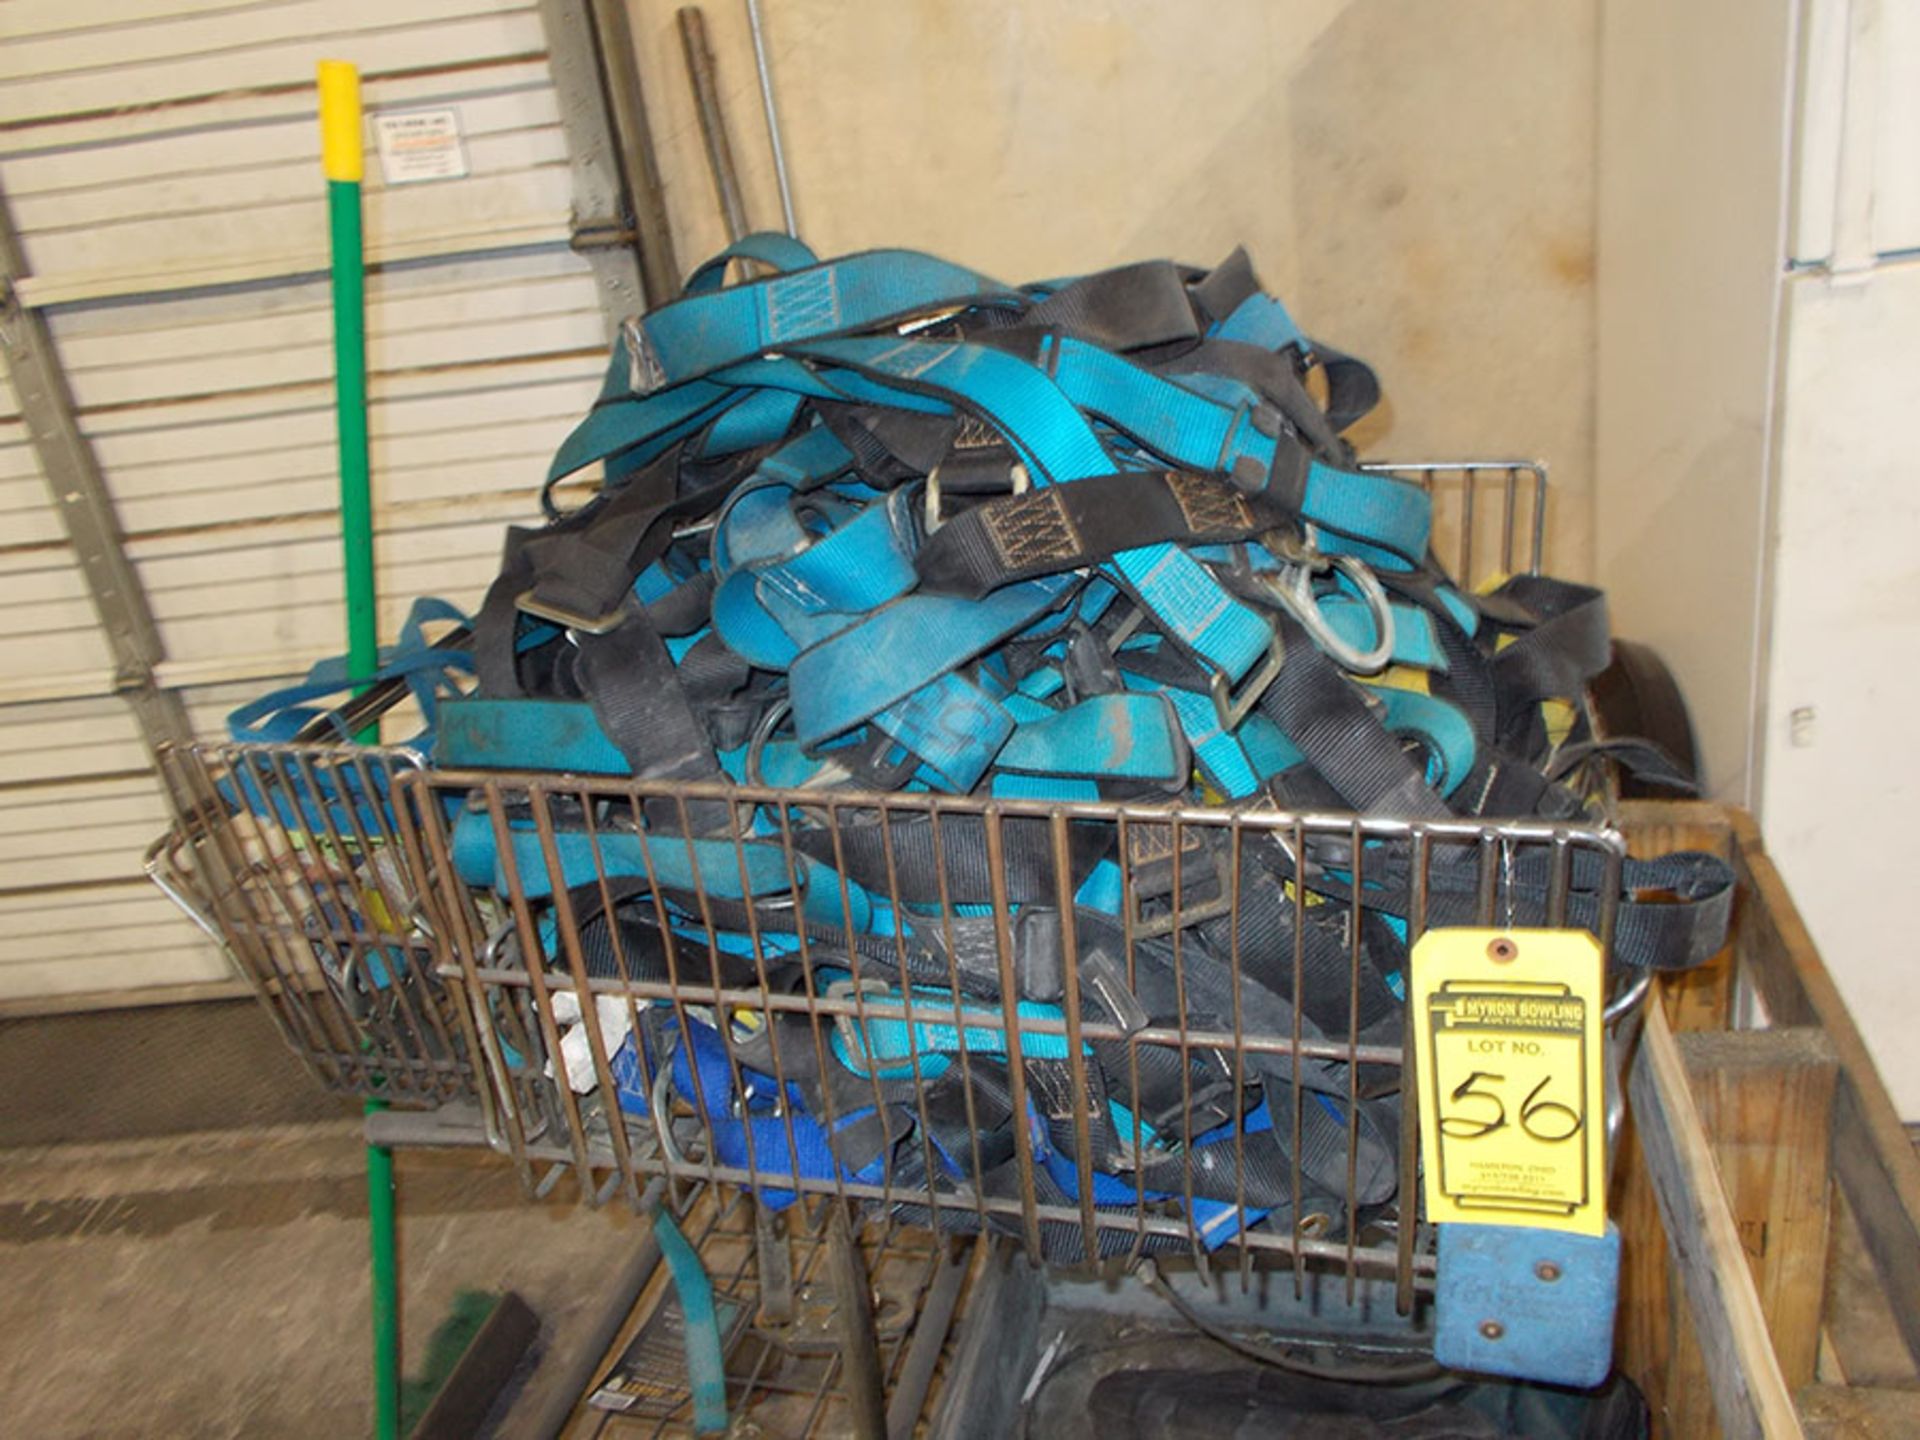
x,y
761,590
428,672
748,1133
768,248
346,799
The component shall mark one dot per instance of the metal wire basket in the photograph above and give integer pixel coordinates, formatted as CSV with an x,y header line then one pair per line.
x,y
839,1022
292,859
334,878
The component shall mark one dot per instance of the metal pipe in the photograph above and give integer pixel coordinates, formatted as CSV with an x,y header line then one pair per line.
x,y
381,1223
773,116
774,1255
344,166
713,122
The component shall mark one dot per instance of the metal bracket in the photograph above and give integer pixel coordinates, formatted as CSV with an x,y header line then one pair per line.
x,y
646,191
599,189
615,180
80,495
591,235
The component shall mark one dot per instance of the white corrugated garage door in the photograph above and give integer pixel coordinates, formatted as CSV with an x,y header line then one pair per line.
x,y
174,229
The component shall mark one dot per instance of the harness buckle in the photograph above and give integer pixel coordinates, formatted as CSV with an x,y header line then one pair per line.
x,y
1231,709
560,615
930,519
831,772
940,315
1292,589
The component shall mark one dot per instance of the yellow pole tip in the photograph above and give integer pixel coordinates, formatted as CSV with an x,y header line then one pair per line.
x,y
340,146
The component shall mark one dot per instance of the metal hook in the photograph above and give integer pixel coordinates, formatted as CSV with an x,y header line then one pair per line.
x,y
1302,560
490,950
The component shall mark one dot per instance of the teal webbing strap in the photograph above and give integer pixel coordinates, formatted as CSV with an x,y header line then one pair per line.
x,y
700,1325
703,333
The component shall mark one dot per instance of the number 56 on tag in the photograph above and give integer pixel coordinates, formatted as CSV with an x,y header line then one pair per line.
x,y
1507,1035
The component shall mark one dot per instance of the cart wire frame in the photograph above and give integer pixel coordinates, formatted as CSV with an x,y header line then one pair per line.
x,y
320,909
549,1125
392,978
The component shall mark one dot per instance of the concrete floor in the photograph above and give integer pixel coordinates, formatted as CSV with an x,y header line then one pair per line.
x,y
194,1260
183,1241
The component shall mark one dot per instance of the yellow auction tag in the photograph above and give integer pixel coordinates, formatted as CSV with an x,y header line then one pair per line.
x,y
1507,1062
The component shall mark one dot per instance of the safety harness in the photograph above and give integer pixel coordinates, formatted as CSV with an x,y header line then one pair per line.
x,y
883,524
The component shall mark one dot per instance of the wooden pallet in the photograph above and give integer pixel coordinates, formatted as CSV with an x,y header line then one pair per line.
x,y
1768,1193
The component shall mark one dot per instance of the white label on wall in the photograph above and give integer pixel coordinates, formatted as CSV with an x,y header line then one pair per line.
x,y
420,145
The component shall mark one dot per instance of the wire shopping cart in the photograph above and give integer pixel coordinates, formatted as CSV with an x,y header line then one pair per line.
x,y
445,938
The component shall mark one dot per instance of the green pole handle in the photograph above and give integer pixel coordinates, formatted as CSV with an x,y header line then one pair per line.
x,y
356,479
344,163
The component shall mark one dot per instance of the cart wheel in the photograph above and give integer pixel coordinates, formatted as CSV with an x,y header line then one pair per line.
x,y
1637,696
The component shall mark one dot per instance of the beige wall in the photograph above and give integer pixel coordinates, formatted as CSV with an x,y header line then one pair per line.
x,y
1694,107
1414,177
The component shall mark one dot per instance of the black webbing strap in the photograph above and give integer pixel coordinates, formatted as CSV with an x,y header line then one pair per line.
x,y
1066,527
1271,375
1353,390
1672,914
583,567
1325,715
1223,289
905,857
1127,308
631,682
1557,655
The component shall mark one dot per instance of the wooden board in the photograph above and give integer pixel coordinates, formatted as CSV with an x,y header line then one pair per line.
x,y
1750,1395
1873,1157
1765,1101
1835,1412
1873,1203
1861,1345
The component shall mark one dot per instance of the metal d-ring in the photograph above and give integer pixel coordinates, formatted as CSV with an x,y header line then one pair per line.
x,y
831,772
1293,589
